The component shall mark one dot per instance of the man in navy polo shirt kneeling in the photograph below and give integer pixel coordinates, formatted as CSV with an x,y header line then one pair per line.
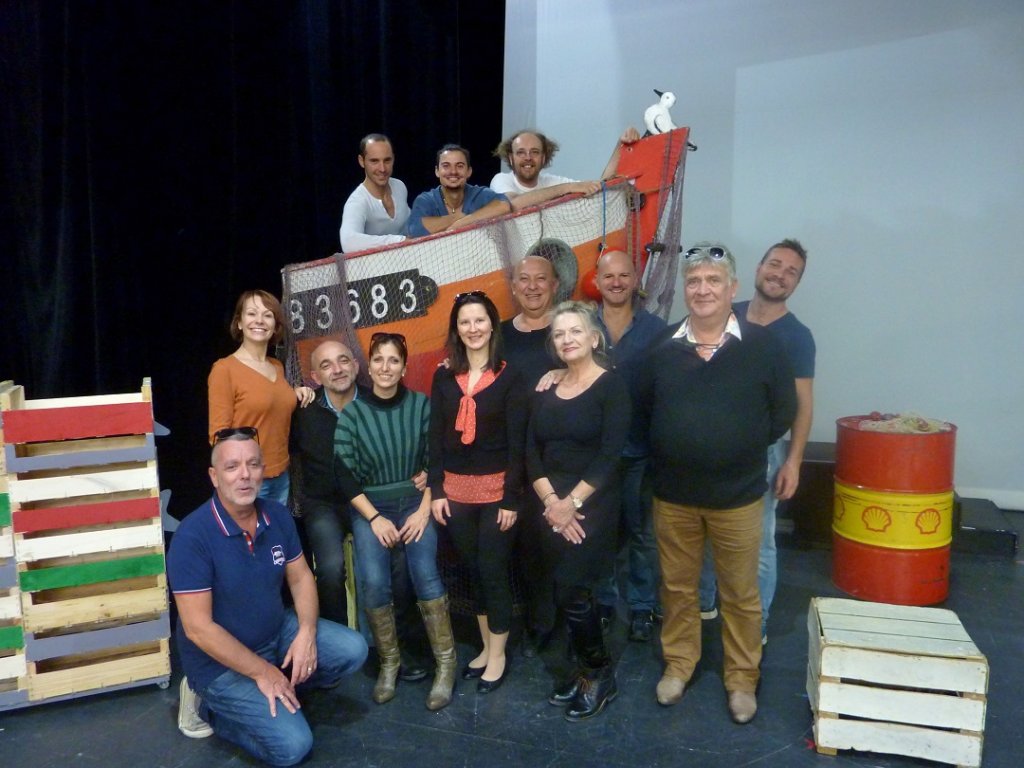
x,y
243,652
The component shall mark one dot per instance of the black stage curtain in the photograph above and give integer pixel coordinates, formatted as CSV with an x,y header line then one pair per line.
x,y
161,157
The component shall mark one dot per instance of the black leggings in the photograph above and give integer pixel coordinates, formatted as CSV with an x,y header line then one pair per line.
x,y
484,549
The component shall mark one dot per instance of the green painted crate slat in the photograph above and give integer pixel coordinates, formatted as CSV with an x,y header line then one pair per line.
x,y
5,510
12,637
91,573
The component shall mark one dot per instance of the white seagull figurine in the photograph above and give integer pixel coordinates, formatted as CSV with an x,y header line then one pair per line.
x,y
656,117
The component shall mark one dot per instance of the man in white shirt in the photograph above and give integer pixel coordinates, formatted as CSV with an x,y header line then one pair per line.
x,y
376,211
526,183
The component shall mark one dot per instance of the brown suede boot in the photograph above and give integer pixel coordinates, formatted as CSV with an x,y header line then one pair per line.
x,y
439,630
385,637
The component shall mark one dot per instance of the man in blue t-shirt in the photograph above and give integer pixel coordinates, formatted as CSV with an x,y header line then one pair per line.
x,y
454,204
243,652
777,277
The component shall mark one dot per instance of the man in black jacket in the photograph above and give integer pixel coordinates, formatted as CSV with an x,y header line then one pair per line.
x,y
323,507
717,392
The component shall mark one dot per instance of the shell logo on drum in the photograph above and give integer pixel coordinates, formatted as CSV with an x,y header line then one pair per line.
x,y
839,511
928,521
876,519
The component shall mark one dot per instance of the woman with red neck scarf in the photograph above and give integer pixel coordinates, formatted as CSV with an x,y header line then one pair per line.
x,y
477,432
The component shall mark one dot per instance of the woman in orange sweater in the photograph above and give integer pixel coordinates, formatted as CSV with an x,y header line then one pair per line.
x,y
249,388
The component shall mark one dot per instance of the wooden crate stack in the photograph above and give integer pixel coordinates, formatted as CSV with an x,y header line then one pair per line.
x,y
83,590
895,679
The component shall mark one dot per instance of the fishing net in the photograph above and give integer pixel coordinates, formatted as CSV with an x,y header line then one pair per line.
x,y
409,287
902,423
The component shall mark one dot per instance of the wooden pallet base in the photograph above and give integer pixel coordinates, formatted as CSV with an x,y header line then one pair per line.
x,y
95,672
19,699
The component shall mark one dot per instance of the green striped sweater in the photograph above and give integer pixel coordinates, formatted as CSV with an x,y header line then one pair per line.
x,y
384,442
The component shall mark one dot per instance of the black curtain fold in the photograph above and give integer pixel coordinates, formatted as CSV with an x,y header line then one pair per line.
x,y
159,158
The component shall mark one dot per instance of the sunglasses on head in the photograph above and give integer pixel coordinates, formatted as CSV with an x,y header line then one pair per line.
x,y
383,337
232,433
462,297
715,252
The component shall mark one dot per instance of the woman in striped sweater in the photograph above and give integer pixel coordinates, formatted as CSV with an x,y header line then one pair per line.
x,y
382,438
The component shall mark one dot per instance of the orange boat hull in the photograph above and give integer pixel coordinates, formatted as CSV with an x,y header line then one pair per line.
x,y
408,288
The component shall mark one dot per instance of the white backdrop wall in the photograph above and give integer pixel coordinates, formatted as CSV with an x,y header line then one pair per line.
x,y
888,137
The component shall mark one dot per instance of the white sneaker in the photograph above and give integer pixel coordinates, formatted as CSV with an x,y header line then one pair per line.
x,y
189,721
707,614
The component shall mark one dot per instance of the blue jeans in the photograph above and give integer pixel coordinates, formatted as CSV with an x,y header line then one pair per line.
x,y
241,713
373,561
767,567
276,488
642,552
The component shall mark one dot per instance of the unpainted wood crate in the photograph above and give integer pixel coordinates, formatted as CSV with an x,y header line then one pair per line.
x,y
894,679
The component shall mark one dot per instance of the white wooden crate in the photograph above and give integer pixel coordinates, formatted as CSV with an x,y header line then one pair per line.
x,y
895,679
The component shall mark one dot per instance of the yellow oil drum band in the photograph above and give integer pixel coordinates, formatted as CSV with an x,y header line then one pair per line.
x,y
893,520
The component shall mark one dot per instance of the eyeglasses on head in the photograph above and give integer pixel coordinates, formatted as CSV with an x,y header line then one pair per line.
x,y
236,433
715,252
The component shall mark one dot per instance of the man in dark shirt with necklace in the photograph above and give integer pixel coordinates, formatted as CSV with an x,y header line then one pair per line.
x,y
534,284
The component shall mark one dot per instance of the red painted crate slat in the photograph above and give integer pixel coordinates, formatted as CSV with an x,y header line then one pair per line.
x,y
56,518
76,422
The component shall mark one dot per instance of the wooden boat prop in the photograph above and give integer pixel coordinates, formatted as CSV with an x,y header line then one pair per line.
x,y
409,287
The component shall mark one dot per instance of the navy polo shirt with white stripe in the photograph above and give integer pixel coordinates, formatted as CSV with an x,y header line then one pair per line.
x,y
210,553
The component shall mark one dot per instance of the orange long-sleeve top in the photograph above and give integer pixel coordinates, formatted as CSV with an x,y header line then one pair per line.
x,y
242,397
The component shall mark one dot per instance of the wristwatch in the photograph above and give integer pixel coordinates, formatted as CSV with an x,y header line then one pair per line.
x,y
577,502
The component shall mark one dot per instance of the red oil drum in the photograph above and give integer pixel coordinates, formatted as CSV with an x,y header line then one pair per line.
x,y
898,576
892,513
893,461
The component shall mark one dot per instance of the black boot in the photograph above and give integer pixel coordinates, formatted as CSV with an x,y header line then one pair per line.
x,y
563,695
596,689
596,686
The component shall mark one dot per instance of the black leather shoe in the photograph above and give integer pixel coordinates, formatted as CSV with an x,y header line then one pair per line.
x,y
472,673
641,626
595,691
489,686
563,695
412,672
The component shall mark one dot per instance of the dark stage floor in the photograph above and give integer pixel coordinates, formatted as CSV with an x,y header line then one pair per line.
x,y
515,726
